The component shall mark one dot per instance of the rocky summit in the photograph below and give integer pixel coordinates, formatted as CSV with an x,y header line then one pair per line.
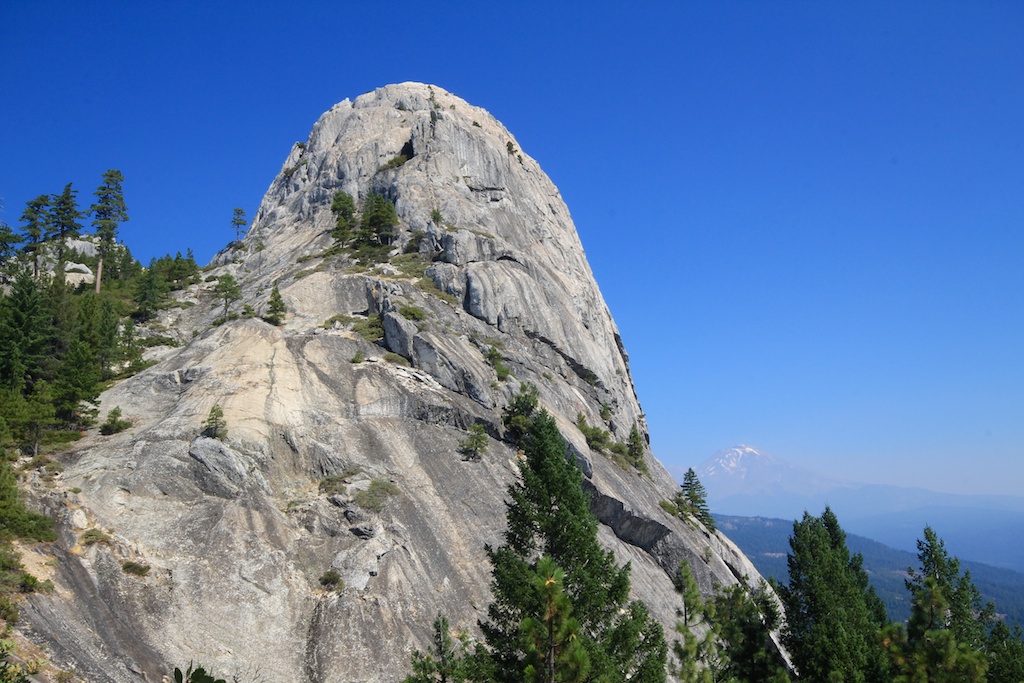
x,y
319,537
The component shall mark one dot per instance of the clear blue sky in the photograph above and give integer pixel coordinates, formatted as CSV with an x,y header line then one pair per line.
x,y
806,217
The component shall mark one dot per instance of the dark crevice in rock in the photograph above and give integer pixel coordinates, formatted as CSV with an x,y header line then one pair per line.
x,y
581,371
644,533
407,150
485,189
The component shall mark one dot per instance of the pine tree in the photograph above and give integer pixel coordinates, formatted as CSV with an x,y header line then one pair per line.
x,y
1005,649
344,208
745,620
694,499
228,290
8,243
517,414
926,650
448,662
554,651
832,617
967,617
635,449
215,426
697,657
64,223
36,219
149,292
379,220
549,515
24,334
238,222
109,211
275,307
475,444
77,382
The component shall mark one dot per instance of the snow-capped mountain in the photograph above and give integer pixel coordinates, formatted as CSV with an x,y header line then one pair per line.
x,y
743,471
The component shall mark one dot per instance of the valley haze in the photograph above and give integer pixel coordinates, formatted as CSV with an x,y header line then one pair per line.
x,y
745,482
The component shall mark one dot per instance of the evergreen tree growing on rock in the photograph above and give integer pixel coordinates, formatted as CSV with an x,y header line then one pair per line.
x,y
549,516
109,211
693,499
275,307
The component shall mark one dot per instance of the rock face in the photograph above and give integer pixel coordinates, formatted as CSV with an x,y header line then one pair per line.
x,y
238,531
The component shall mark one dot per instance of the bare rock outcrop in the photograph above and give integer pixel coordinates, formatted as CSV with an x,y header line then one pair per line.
x,y
330,463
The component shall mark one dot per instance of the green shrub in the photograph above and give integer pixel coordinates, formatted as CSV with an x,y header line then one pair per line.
x,y
135,568
429,286
598,439
494,358
516,415
331,580
340,318
411,265
436,217
359,357
371,329
376,496
475,444
93,536
396,359
9,609
410,312
413,245
395,162
669,507
114,424
333,483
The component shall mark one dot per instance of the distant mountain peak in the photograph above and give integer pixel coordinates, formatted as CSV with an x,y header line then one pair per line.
x,y
735,462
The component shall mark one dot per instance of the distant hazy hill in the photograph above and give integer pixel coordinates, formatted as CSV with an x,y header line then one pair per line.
x,y
744,481
766,542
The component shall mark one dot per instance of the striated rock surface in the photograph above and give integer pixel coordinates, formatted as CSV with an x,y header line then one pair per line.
x,y
238,531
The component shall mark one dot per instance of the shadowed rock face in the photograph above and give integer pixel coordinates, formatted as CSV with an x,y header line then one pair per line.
x,y
237,532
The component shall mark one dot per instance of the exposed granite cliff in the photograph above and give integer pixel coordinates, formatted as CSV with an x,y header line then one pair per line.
x,y
236,531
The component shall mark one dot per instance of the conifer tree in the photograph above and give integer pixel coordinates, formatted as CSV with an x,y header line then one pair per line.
x,y
8,241
344,208
745,620
635,449
149,292
238,222
228,290
379,220
36,219
926,650
967,617
832,615
275,307
475,443
693,499
109,212
549,515
447,662
24,334
215,426
554,651
697,657
64,223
